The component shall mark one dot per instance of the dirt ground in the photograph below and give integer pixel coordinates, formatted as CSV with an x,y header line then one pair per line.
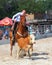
x,y
42,54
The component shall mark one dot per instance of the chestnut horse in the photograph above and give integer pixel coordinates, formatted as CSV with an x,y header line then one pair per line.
x,y
21,37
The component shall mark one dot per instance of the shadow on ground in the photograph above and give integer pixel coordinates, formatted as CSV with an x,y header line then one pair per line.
x,y
38,56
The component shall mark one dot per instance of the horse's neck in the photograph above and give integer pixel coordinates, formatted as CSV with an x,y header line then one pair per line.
x,y
20,29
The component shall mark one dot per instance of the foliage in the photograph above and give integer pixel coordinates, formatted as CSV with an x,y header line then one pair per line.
x,y
10,7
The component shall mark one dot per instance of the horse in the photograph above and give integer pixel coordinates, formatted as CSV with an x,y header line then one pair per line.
x,y
21,37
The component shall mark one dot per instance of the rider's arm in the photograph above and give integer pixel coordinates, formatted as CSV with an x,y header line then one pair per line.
x,y
16,15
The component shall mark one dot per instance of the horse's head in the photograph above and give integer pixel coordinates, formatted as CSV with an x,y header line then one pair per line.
x,y
23,20
21,28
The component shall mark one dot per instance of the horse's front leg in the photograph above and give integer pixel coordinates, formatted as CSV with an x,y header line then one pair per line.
x,y
30,49
19,53
11,50
11,47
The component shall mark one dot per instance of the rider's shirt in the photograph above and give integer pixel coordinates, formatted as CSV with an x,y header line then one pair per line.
x,y
16,17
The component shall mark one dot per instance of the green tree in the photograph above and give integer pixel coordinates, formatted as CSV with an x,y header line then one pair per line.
x,y
10,7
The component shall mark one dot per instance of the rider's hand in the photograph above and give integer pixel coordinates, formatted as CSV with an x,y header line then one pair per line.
x,y
14,20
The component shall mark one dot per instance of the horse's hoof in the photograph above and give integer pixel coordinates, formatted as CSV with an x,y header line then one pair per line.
x,y
18,57
10,54
24,54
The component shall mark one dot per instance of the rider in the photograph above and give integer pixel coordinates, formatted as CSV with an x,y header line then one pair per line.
x,y
16,20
